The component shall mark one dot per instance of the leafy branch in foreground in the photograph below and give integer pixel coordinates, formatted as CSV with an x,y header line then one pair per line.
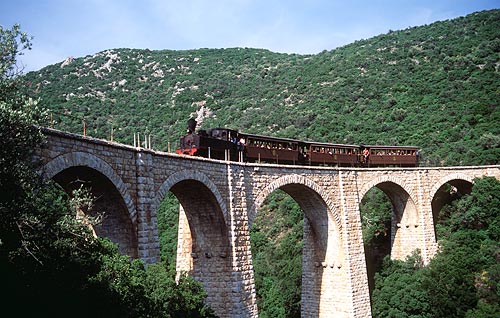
x,y
51,265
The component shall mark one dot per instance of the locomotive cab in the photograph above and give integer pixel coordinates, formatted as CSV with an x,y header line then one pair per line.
x,y
219,143
188,144
216,143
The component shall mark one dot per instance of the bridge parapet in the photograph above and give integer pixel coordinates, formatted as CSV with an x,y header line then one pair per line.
x,y
221,199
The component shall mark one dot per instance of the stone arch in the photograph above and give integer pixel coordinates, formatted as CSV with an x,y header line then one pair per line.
x,y
74,159
189,175
439,197
203,246
72,170
324,270
386,244
449,177
294,179
406,219
382,179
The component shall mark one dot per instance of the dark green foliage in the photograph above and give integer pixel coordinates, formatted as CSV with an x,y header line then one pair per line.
x,y
480,210
434,86
185,298
12,42
50,263
398,293
18,138
276,238
168,220
376,216
463,279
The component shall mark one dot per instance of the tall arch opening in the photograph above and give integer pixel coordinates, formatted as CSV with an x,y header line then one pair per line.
x,y
323,278
276,238
376,219
390,224
168,227
443,196
203,249
109,206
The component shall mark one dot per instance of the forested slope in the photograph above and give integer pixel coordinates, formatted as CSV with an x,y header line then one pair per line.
x,y
435,86
51,265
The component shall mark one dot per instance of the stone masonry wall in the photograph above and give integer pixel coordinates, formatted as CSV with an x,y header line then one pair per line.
x,y
220,200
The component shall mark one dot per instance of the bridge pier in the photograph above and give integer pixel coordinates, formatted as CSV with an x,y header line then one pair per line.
x,y
355,267
220,200
244,298
147,227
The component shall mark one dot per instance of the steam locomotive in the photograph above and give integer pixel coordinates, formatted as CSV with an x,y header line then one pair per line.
x,y
229,144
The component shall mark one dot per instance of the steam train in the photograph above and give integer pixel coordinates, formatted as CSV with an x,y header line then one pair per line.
x,y
229,144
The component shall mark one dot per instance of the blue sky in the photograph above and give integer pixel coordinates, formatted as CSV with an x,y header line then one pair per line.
x,y
77,28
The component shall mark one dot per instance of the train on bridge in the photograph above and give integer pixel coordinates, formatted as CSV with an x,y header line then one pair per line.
x,y
230,144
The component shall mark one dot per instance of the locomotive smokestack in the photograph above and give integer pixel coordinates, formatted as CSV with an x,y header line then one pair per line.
x,y
191,125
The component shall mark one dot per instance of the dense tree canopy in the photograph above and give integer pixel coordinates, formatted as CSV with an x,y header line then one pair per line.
x,y
50,263
434,86
463,279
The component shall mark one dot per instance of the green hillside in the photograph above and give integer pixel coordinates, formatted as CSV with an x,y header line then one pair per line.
x,y
435,86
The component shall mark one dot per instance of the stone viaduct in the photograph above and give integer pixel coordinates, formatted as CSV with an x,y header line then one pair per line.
x,y
220,199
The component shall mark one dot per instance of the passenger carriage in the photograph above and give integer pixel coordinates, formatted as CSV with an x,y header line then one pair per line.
x,y
229,144
401,156
270,149
332,154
